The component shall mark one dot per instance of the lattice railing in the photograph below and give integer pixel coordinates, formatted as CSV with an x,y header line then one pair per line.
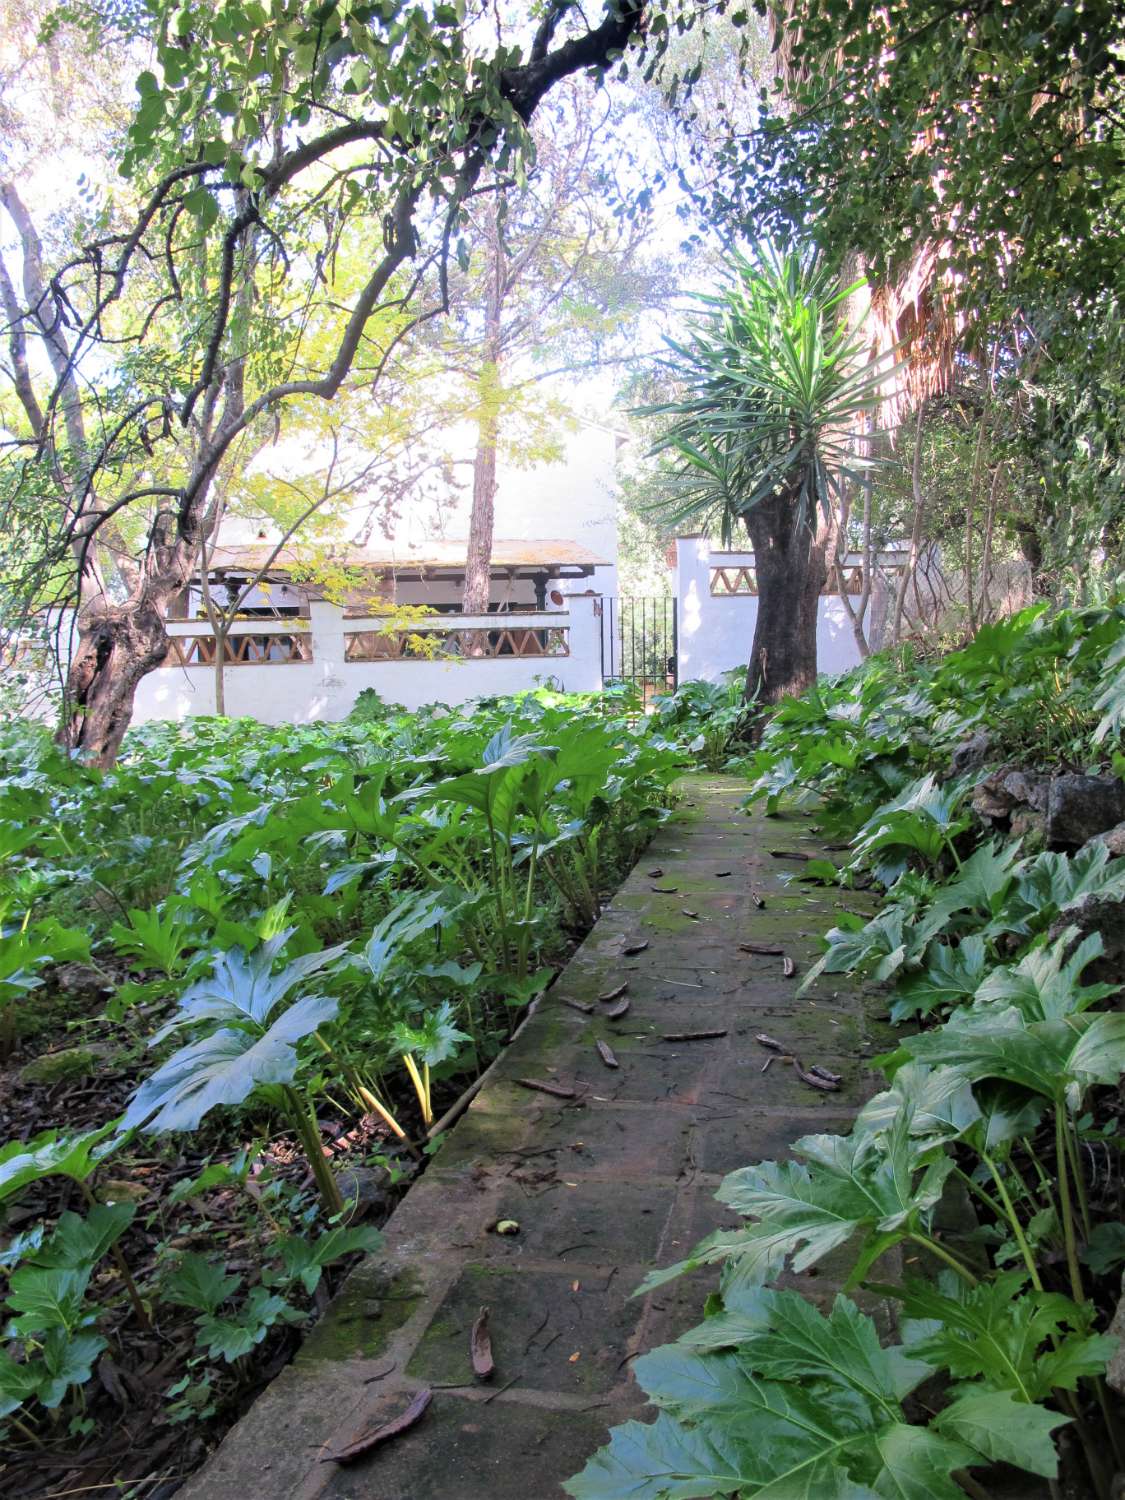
x,y
240,650
472,642
731,580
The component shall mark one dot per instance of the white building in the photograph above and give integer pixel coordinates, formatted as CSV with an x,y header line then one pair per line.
x,y
318,622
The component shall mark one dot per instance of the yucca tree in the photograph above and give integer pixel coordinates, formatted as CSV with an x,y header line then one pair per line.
x,y
777,394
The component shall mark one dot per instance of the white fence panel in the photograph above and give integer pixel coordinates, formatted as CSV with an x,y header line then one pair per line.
x,y
717,612
293,671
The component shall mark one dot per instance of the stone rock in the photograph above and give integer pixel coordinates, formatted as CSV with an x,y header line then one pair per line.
x,y
1079,807
68,1064
992,803
971,754
81,981
369,1188
1104,915
1026,786
1115,1371
122,1190
1026,822
1113,839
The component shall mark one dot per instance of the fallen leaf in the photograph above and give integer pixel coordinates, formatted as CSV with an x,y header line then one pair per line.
x,y
575,1286
614,994
769,1041
507,1226
579,1005
615,1012
789,854
480,1346
110,1381
605,1052
691,1036
813,1080
655,874
829,1077
559,1090
640,947
575,1357
665,890
368,1440
788,967
771,950
687,913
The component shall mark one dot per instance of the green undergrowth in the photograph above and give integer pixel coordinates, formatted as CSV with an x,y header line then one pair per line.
x,y
1004,1086
254,931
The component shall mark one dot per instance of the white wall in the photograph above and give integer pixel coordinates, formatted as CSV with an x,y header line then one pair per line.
x,y
328,686
715,632
573,499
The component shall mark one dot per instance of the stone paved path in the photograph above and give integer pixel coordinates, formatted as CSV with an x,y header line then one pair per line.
x,y
603,1186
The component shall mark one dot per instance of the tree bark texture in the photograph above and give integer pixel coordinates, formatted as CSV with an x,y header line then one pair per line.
x,y
478,562
791,565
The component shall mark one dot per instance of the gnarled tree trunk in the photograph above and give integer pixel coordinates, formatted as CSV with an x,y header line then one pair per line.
x,y
118,645
791,564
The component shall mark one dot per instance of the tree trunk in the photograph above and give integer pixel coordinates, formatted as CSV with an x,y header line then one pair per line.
x,y
791,564
478,562
118,645
909,572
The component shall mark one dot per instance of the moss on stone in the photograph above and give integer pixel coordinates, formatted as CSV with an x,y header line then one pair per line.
x,y
71,1063
370,1308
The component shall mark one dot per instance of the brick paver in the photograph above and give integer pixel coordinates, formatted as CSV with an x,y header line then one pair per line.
x,y
603,1186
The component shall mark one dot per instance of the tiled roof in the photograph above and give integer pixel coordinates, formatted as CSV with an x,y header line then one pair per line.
x,y
442,557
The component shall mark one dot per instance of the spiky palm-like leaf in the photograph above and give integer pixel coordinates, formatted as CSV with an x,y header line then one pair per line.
x,y
777,386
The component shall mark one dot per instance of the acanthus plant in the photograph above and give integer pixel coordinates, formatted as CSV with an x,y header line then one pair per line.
x,y
1017,1349
305,916
998,1100
239,1051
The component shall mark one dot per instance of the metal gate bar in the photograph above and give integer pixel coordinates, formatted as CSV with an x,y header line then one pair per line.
x,y
639,643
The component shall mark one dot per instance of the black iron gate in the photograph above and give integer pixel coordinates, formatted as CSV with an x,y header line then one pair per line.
x,y
639,643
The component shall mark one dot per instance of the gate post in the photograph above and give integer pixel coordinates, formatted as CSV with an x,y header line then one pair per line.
x,y
693,601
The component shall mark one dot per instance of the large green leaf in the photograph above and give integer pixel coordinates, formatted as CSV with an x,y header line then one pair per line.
x,y
996,1333
937,1103
981,883
1052,883
199,1283
952,975
1056,1059
806,1406
407,920
48,1297
50,1154
1046,984
62,1361
243,987
224,1068
873,1189
79,1241
879,947
1005,1430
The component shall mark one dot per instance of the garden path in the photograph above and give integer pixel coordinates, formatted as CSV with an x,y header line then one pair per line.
x,y
603,1185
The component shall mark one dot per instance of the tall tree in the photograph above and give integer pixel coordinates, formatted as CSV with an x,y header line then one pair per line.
x,y
263,132
553,283
776,384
